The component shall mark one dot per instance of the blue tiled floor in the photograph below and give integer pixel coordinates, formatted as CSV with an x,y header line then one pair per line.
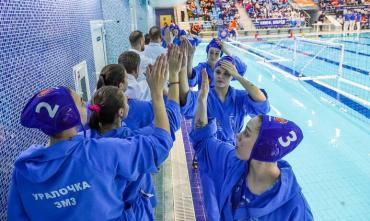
x,y
196,187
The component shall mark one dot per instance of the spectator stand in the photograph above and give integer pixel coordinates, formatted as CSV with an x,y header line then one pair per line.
x,y
201,13
275,14
337,9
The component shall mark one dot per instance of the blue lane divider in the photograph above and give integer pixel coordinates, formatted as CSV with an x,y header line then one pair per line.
x,y
361,71
351,51
359,108
352,42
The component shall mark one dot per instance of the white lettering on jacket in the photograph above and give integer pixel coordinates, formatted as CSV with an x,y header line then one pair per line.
x,y
76,187
66,203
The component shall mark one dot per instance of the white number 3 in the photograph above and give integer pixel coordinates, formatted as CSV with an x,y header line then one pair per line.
x,y
51,111
289,139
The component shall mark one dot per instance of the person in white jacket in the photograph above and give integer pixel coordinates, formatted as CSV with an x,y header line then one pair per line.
x,y
137,42
137,86
154,49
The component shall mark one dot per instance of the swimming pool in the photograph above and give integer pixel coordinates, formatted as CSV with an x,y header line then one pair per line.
x,y
318,60
332,164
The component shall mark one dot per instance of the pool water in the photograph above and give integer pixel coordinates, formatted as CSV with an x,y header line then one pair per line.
x,y
315,61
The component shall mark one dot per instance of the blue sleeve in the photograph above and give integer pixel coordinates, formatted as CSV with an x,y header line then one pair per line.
x,y
188,110
197,41
174,118
139,115
241,67
182,32
164,44
176,41
132,156
15,205
302,212
214,156
193,81
254,108
127,132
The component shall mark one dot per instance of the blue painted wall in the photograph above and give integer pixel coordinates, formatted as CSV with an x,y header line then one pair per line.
x,y
40,42
118,29
142,16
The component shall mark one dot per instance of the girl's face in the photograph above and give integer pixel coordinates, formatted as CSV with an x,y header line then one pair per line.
x,y
222,77
81,106
123,85
123,112
213,55
142,43
247,138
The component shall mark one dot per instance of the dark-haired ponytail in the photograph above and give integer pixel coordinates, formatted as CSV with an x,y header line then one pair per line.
x,y
105,106
94,117
112,74
94,121
101,81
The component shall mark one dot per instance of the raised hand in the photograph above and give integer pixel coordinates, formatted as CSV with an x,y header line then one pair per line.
x,y
190,55
190,48
222,45
175,58
168,36
201,115
230,68
184,51
205,86
157,75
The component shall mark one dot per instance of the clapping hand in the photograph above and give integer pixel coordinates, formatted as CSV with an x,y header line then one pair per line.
x,y
205,86
157,75
175,57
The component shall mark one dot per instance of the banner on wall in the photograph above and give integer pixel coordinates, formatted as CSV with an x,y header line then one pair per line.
x,y
165,19
279,22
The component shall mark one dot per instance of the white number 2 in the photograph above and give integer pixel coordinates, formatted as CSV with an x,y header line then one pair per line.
x,y
51,111
289,139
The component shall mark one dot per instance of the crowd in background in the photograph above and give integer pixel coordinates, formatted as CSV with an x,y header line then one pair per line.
x,y
268,9
351,14
223,14
202,8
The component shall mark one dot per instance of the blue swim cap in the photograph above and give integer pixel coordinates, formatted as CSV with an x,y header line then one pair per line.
x,y
277,137
240,66
51,110
173,27
182,32
214,44
194,41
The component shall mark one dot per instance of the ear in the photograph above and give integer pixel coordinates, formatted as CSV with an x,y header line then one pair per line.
x,y
121,85
121,112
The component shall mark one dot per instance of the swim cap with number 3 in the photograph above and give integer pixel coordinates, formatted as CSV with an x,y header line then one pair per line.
x,y
277,137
